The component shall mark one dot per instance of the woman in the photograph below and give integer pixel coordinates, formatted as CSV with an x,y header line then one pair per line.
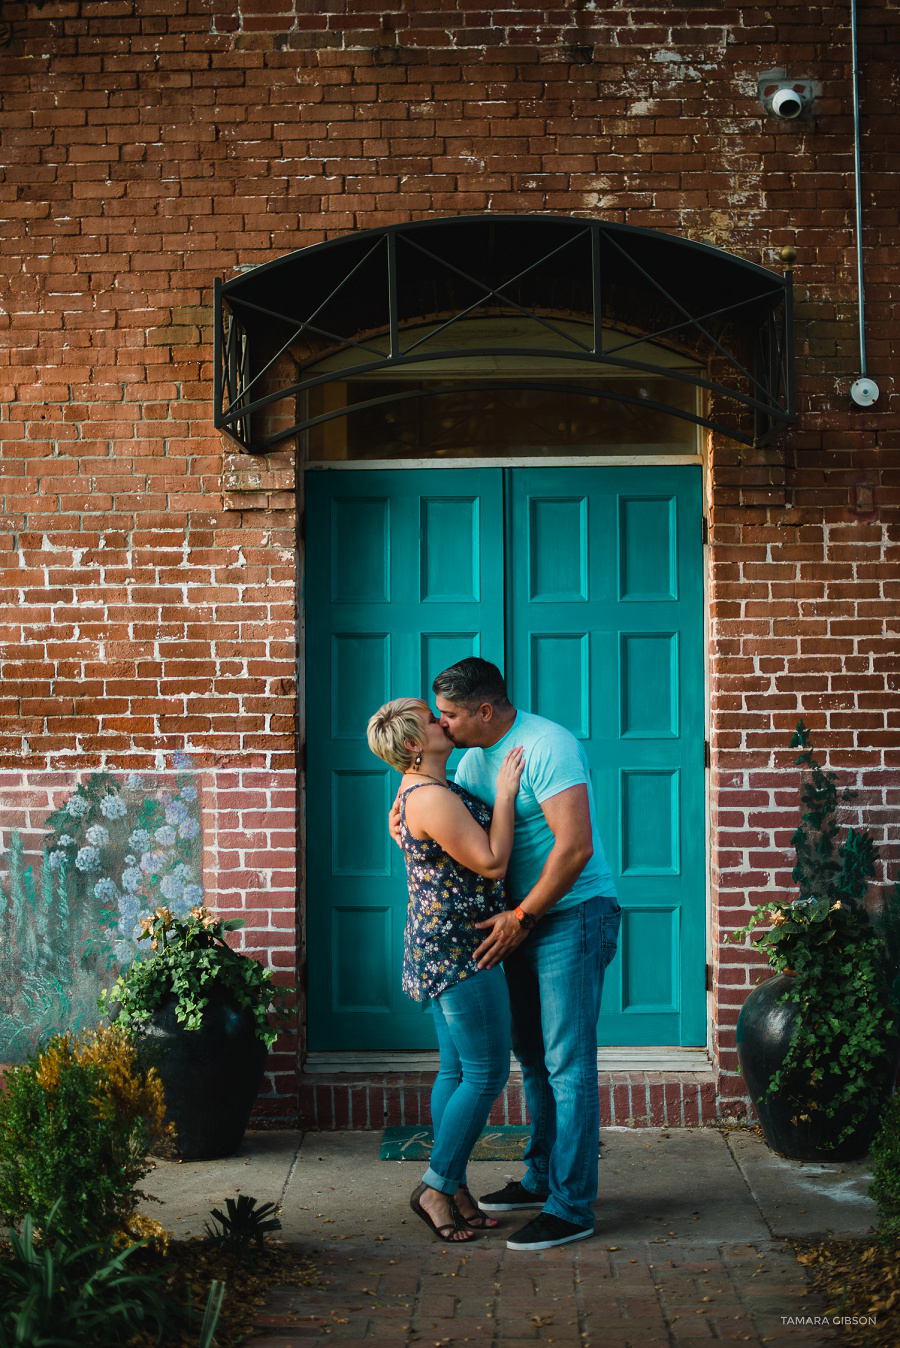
x,y
456,857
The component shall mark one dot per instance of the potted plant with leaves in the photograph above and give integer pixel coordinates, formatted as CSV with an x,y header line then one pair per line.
x,y
204,1015
818,1043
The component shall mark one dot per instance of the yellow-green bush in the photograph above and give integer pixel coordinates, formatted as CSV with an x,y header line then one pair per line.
x,y
885,1162
77,1124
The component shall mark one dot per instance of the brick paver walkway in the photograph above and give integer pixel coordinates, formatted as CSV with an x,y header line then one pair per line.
x,y
591,1295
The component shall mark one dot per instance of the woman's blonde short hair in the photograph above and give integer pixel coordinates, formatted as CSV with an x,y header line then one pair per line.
x,y
393,724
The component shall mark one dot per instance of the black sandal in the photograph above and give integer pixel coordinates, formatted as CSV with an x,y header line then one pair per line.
x,y
479,1221
447,1230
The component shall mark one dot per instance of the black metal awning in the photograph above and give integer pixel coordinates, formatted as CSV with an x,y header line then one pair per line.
x,y
398,298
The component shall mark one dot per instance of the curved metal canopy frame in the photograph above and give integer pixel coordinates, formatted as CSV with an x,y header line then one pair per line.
x,y
367,296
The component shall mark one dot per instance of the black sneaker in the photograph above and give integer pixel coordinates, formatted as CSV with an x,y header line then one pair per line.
x,y
546,1231
512,1197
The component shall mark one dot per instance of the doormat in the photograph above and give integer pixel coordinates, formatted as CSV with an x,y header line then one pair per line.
x,y
414,1144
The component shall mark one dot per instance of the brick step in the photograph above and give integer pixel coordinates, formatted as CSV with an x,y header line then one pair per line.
x,y
643,1099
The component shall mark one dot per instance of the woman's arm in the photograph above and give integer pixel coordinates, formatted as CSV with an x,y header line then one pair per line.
x,y
441,815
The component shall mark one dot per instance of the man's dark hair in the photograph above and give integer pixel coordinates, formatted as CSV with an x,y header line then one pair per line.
x,y
471,682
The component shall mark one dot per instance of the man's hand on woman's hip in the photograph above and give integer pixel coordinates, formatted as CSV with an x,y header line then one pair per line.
x,y
504,933
394,822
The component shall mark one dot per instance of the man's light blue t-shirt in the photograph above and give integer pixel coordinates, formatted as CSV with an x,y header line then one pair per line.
x,y
554,761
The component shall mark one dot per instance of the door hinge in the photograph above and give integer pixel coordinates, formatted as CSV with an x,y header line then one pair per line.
x,y
704,526
709,978
707,755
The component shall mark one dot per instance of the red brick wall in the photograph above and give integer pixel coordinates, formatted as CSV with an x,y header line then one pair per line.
x,y
152,145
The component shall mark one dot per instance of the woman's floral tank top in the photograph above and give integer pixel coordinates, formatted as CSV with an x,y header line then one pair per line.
x,y
446,899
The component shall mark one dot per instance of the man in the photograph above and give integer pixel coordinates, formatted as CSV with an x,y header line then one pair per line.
x,y
555,941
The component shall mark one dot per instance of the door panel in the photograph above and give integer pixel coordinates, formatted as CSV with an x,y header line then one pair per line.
x,y
404,576
586,584
605,636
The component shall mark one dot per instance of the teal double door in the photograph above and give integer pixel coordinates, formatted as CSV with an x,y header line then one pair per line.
x,y
583,584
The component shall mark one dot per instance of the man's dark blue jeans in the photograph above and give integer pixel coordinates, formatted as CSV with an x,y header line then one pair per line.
x,y
555,980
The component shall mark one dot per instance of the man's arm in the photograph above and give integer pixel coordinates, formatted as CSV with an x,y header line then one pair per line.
x,y
568,815
394,819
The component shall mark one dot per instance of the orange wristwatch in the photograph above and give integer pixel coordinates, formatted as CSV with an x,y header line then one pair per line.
x,y
526,920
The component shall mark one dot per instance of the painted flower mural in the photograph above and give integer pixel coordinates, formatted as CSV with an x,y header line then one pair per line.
x,y
113,852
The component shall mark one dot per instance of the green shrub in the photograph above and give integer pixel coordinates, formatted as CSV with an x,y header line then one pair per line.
x,y
77,1122
885,1159
844,959
54,1294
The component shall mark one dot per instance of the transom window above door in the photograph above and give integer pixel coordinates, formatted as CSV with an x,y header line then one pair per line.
x,y
508,405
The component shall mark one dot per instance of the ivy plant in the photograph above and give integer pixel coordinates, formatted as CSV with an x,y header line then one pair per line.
x,y
844,962
191,959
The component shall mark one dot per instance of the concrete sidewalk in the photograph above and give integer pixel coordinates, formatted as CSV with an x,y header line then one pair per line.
x,y
690,1244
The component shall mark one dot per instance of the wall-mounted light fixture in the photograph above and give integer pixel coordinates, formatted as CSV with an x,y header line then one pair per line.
x,y
785,98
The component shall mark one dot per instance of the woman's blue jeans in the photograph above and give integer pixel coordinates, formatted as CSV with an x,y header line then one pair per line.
x,y
473,1031
555,982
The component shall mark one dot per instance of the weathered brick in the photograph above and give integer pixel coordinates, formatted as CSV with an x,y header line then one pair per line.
x,y
145,156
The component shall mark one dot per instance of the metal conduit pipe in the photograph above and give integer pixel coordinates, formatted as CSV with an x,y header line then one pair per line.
x,y
863,391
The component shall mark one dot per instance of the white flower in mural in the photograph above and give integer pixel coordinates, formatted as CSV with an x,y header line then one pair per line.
x,y
128,917
192,894
139,839
131,878
77,807
113,807
123,952
65,841
87,858
177,812
133,782
97,835
153,862
165,836
181,760
54,860
105,889
171,887
189,829
189,792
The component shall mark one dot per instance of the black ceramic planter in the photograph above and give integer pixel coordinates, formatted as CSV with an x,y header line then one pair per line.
x,y
764,1032
210,1076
